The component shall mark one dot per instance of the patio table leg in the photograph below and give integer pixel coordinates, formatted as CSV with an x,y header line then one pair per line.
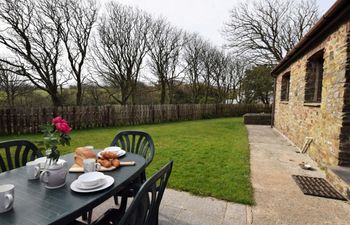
x,y
87,217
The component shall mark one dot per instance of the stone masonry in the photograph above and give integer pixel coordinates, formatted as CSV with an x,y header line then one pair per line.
x,y
328,123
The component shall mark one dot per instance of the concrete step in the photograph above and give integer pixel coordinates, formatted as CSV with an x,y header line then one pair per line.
x,y
339,177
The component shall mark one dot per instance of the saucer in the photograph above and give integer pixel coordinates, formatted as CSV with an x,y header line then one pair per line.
x,y
120,152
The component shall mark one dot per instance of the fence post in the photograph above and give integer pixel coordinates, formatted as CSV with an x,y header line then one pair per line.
x,y
152,113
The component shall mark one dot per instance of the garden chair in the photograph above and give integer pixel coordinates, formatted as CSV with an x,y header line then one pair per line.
x,y
17,153
140,143
144,209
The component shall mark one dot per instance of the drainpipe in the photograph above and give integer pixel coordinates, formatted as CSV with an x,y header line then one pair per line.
x,y
273,103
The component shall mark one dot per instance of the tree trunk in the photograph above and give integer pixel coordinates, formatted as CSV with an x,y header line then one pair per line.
x,y
12,99
79,95
162,92
56,99
124,98
170,93
206,95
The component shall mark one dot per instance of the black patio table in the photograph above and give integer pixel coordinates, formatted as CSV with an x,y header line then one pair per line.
x,y
35,205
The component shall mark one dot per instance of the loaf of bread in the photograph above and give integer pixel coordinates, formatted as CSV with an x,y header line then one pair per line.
x,y
83,153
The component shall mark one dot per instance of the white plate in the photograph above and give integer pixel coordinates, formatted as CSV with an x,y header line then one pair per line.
x,y
75,186
112,148
42,161
120,152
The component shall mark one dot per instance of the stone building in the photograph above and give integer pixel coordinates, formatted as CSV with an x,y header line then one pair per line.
x,y
312,89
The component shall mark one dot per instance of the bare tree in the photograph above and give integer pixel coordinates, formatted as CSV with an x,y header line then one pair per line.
x,y
164,46
120,49
193,57
268,29
12,84
176,71
236,72
78,18
34,41
222,79
208,67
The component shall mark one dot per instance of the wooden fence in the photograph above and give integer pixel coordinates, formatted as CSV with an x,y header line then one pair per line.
x,y
28,120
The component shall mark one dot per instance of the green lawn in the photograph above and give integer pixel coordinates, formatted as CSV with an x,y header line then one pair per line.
x,y
211,157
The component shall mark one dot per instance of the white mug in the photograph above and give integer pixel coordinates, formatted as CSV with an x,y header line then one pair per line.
x,y
7,197
33,170
90,165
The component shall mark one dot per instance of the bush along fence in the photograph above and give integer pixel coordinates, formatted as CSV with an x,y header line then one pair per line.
x,y
28,120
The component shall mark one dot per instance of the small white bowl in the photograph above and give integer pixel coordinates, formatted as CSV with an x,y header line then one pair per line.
x,y
307,166
91,179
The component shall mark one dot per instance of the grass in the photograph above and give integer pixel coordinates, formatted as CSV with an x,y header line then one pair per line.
x,y
211,157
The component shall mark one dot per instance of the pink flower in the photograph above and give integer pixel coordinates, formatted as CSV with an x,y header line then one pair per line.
x,y
63,127
58,119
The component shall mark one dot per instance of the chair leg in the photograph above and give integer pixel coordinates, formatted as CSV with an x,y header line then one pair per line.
x,y
89,217
123,203
116,200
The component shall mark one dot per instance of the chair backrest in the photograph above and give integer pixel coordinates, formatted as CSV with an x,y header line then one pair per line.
x,y
17,153
137,142
145,206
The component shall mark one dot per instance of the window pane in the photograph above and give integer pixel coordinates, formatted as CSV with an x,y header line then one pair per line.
x,y
313,78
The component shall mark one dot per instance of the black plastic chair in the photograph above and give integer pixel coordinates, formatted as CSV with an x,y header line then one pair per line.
x,y
144,210
137,142
140,143
17,153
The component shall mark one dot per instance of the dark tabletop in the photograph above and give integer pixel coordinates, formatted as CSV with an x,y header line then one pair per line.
x,y
35,205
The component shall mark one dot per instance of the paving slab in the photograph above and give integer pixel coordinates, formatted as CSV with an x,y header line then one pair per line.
x,y
182,208
279,201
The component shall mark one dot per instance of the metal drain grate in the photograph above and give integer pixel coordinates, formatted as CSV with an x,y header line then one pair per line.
x,y
317,187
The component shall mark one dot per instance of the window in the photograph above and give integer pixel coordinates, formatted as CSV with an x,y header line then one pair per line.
x,y
285,87
313,78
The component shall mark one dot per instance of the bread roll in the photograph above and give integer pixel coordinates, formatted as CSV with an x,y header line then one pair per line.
x,y
105,163
116,163
83,153
109,155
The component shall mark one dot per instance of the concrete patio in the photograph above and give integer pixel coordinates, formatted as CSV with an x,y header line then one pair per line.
x,y
182,208
279,201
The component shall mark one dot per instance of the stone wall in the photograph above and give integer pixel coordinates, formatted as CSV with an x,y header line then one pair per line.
x,y
322,121
344,151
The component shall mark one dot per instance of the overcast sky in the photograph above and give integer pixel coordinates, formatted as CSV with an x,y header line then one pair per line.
x,y
203,16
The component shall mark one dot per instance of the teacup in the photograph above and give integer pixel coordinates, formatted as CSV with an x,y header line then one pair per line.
x,y
7,197
33,170
90,165
91,179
